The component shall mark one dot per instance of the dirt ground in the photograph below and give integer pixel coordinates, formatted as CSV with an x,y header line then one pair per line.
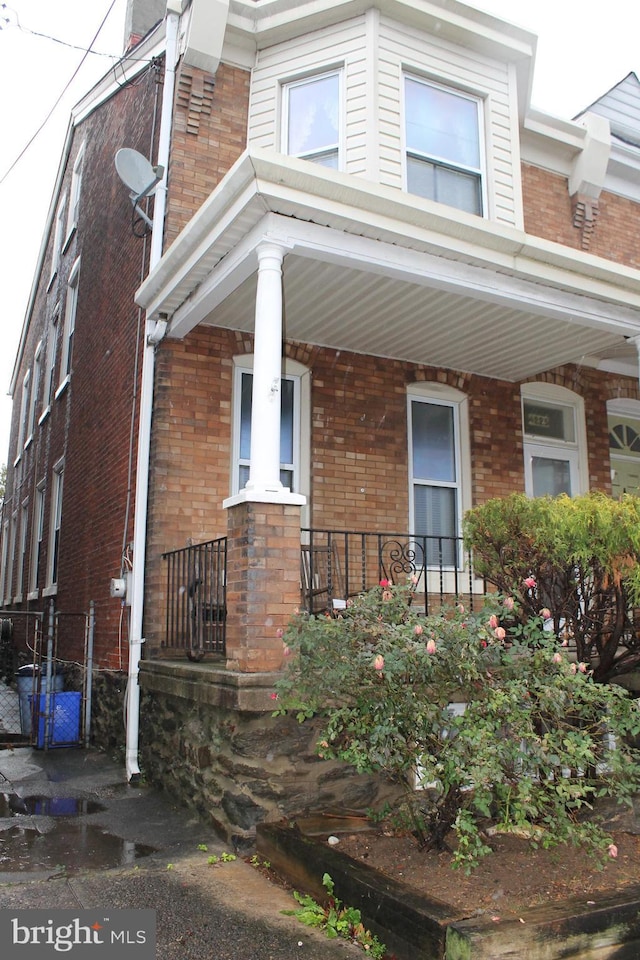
x,y
508,881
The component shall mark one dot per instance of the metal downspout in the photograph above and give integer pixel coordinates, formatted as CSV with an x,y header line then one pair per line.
x,y
152,337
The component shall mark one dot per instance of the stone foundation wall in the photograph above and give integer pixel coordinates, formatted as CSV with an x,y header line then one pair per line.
x,y
208,738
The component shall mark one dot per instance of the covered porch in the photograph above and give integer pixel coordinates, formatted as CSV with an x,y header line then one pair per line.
x,y
286,252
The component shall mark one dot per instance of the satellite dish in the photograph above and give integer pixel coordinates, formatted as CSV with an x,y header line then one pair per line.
x,y
139,176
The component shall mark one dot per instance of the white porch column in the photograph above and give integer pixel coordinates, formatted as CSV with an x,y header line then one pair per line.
x,y
264,472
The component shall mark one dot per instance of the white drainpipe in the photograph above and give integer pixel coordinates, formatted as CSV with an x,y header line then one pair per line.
x,y
153,334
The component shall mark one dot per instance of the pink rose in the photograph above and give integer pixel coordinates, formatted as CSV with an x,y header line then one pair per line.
x,y
493,621
613,850
418,629
557,658
582,667
378,663
530,582
545,613
508,603
460,608
274,696
387,595
500,633
286,651
431,646
573,668
385,583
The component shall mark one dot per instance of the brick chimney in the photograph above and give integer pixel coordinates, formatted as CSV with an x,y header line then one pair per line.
x,y
141,16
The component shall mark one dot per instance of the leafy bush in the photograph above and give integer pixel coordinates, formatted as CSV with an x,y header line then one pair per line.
x,y
579,557
537,741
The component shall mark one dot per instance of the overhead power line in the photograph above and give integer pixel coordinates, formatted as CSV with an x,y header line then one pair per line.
x,y
60,96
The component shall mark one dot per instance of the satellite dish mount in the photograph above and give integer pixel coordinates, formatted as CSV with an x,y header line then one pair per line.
x,y
140,177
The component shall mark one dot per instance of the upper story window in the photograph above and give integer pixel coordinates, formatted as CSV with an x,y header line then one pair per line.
x,y
70,309
76,188
58,236
444,145
50,365
624,446
24,413
55,525
311,119
554,441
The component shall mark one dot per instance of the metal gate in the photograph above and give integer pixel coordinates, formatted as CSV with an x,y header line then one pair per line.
x,y
45,694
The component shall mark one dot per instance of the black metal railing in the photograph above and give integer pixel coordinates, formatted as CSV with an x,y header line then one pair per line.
x,y
337,565
196,612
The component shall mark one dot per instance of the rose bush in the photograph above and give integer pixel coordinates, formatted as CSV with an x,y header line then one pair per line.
x,y
534,744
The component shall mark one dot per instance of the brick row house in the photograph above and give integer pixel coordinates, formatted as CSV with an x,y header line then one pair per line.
x,y
369,287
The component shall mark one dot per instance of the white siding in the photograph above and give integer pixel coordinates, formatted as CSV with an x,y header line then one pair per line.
x,y
373,53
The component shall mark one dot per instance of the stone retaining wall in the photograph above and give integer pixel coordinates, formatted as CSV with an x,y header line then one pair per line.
x,y
208,737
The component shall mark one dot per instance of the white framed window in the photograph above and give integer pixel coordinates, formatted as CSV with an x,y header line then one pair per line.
x,y
70,309
22,549
35,389
11,557
50,365
58,235
439,468
37,534
24,414
5,576
555,441
74,193
444,145
55,526
312,118
295,438
623,417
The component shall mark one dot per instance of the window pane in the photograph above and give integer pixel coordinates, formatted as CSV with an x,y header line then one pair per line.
x,y
442,124
433,436
435,513
245,416
555,421
453,187
550,477
313,115
286,421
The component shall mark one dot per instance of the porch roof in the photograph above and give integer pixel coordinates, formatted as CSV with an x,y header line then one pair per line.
x,y
373,270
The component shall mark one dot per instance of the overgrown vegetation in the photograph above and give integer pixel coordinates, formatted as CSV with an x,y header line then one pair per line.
x,y
578,557
535,744
336,919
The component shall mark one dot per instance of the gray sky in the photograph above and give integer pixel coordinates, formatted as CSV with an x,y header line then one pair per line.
x,y
584,48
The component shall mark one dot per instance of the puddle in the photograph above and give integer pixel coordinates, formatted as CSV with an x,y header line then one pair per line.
x,y
11,805
72,847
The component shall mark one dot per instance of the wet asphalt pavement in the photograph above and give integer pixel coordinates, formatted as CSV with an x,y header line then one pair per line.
x,y
74,834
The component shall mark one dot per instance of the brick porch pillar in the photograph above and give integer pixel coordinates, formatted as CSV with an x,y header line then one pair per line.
x,y
263,581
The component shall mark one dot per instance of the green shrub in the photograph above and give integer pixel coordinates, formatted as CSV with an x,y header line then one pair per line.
x,y
537,741
582,557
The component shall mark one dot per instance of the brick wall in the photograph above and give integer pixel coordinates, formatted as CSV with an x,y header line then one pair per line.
x,y
210,133
548,213
358,452
89,423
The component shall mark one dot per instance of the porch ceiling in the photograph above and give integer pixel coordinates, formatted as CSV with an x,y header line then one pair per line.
x,y
370,270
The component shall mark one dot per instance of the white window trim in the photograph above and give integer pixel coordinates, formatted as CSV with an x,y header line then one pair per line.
x,y
22,549
48,391
70,310
440,393
243,363
74,194
476,97
297,81
11,555
58,237
576,452
4,570
35,389
25,403
37,540
55,523
628,409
